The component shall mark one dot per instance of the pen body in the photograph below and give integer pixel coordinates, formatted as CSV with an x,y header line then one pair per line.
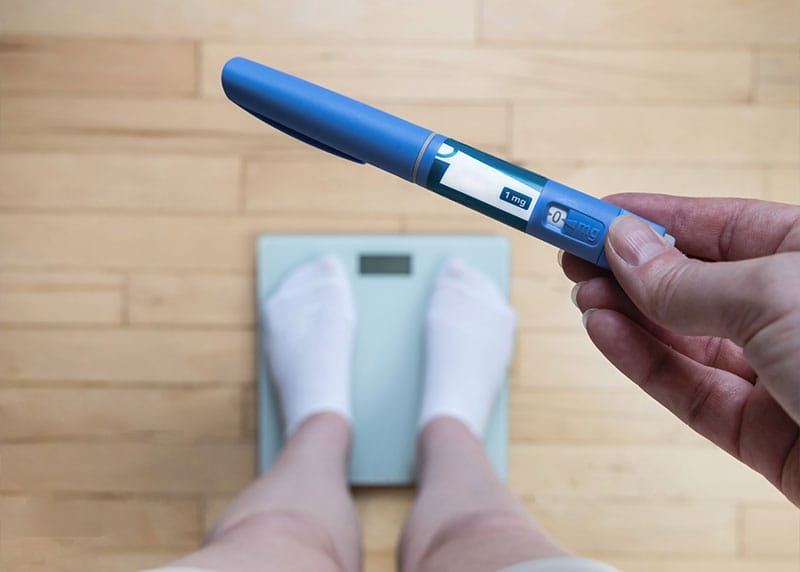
x,y
543,208
326,119
563,216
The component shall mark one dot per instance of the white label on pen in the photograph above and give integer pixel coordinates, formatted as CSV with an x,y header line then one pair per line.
x,y
483,182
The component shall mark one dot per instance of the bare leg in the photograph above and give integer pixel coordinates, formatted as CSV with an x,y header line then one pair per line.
x,y
297,516
465,518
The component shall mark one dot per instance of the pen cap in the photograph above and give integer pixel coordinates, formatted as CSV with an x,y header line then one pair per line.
x,y
325,118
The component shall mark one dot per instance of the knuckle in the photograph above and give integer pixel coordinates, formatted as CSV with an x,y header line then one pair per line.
x,y
699,400
777,279
769,293
663,296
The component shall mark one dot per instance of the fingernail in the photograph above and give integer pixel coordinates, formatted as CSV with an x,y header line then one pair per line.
x,y
560,257
573,294
585,316
634,240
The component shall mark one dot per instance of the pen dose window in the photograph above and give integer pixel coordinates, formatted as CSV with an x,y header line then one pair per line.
x,y
384,264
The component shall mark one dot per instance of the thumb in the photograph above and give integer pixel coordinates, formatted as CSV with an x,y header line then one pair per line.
x,y
727,299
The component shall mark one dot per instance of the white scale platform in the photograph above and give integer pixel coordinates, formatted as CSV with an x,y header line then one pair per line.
x,y
391,278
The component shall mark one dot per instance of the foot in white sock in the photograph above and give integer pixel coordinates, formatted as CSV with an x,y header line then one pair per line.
x,y
469,343
310,321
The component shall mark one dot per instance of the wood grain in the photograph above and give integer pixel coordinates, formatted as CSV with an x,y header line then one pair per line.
x,y
127,355
632,527
392,20
631,472
783,185
731,134
154,468
37,297
132,193
91,67
203,126
770,530
71,412
195,298
622,414
626,22
155,242
469,73
44,553
154,523
155,183
778,79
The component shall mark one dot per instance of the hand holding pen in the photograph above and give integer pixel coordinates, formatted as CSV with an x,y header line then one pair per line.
x,y
714,338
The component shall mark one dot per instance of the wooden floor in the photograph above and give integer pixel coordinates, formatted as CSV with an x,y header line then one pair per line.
x,y
131,194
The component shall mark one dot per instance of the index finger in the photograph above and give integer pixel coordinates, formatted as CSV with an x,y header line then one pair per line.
x,y
719,229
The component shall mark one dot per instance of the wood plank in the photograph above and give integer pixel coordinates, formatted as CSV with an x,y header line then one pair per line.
x,y
646,528
641,472
380,560
705,563
543,302
150,242
158,468
622,415
249,414
563,358
131,356
771,530
482,73
58,555
160,183
150,125
740,134
152,523
778,76
601,179
391,20
382,512
102,413
60,297
783,185
641,22
97,67
206,126
203,299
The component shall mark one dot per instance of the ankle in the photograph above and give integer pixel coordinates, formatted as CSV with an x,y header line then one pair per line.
x,y
332,426
445,428
447,442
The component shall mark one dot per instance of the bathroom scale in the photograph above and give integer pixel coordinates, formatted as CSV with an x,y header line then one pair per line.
x,y
391,277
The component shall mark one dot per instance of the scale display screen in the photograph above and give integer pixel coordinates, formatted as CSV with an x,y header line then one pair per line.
x,y
384,264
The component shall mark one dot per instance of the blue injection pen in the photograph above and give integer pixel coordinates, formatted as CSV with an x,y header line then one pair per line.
x,y
536,205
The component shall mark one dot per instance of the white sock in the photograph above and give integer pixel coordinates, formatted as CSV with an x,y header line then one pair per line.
x,y
469,343
310,322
